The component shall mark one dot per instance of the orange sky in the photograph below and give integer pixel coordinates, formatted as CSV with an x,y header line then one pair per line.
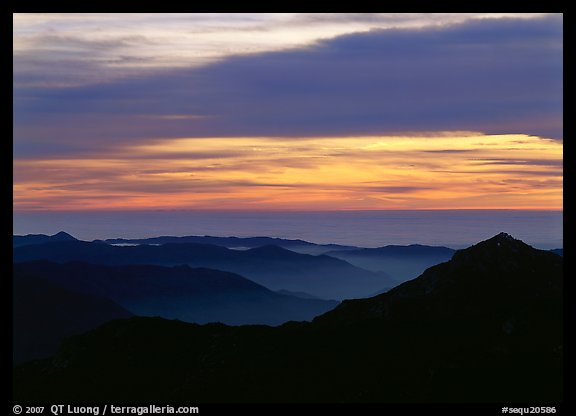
x,y
435,171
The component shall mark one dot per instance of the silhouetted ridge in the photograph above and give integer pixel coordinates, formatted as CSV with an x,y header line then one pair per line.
x,y
500,268
271,266
558,251
45,314
62,235
494,249
399,262
29,239
189,294
300,246
486,326
411,249
273,251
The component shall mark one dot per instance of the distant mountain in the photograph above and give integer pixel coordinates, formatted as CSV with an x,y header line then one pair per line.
x,y
559,251
300,246
45,314
24,240
485,327
399,262
193,295
271,266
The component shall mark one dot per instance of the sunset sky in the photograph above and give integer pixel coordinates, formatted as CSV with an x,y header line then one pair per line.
x,y
287,111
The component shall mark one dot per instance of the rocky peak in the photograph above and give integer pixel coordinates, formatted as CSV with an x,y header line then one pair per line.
x,y
501,247
62,236
501,273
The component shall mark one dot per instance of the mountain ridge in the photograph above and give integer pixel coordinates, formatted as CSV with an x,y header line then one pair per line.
x,y
30,239
484,327
44,314
273,267
298,245
401,263
500,257
189,294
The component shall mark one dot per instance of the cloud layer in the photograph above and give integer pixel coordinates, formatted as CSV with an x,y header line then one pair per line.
x,y
449,171
312,123
494,76
83,48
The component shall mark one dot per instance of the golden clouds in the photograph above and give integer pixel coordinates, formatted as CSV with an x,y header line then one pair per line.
x,y
443,170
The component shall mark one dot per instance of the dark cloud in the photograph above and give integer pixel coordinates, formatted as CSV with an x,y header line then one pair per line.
x,y
494,76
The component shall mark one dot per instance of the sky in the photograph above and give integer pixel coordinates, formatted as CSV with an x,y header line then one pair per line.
x,y
287,111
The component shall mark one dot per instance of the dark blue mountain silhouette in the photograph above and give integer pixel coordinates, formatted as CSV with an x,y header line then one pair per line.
x,y
299,246
24,240
44,314
399,262
505,270
486,326
180,292
271,266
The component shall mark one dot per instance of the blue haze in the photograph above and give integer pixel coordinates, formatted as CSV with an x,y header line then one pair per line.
x,y
451,228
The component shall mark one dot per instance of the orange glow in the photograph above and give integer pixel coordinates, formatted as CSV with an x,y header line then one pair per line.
x,y
462,170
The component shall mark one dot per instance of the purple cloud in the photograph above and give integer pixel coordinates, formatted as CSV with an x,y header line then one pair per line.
x,y
494,76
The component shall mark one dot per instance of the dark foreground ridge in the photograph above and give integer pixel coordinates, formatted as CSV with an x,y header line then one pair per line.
x,y
485,326
44,314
